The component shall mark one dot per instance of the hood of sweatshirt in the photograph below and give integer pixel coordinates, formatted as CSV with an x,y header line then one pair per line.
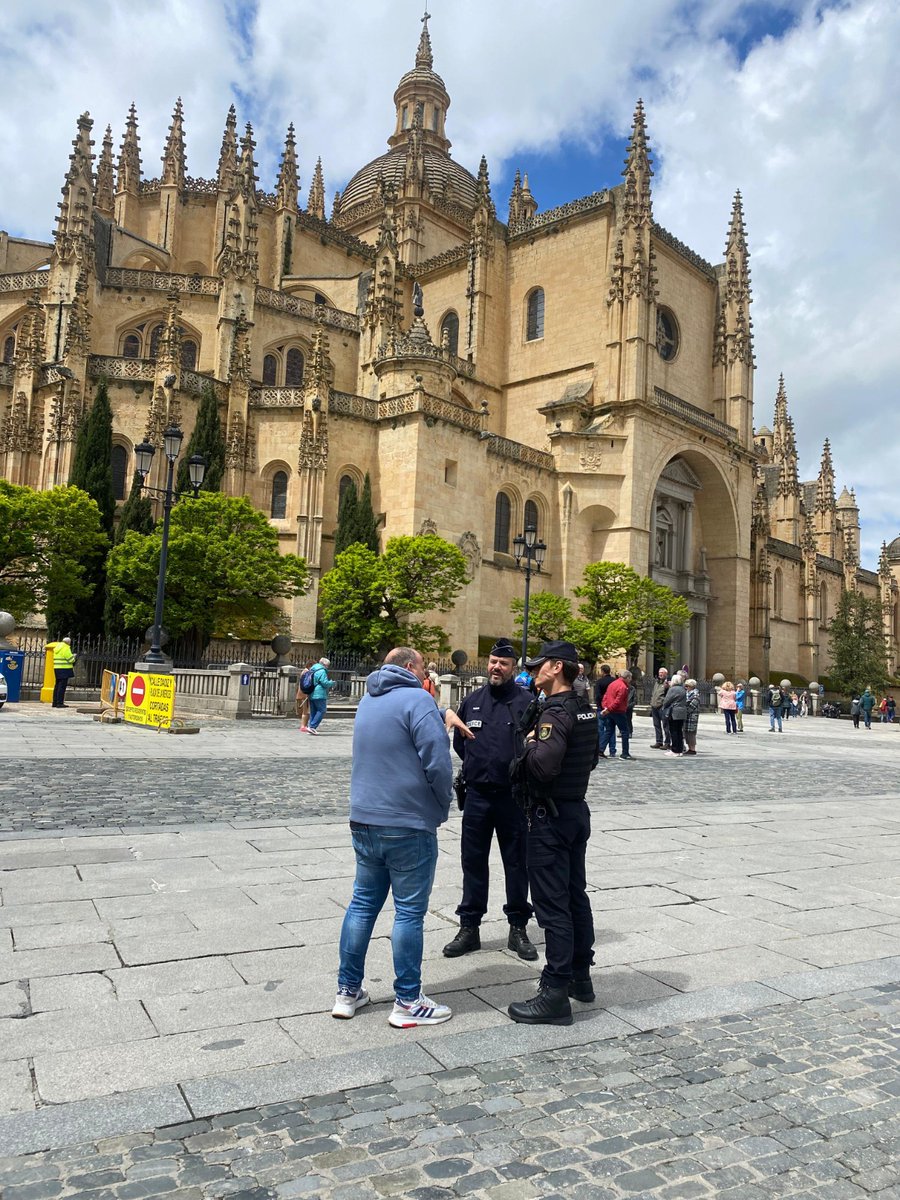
x,y
389,678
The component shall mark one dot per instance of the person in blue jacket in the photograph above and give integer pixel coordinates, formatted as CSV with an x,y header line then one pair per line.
x,y
400,785
318,700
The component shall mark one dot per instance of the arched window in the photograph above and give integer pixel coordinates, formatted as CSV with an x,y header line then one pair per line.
x,y
531,514
778,592
119,466
823,606
188,356
270,370
293,368
345,482
9,348
534,324
450,330
131,346
154,340
278,509
502,515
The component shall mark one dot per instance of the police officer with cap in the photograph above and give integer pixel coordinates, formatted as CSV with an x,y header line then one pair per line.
x,y
552,772
493,714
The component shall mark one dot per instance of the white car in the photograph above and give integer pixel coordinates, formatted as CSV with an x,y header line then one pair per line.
x,y
3,689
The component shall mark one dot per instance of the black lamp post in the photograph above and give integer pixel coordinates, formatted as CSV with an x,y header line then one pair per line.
x,y
172,439
529,553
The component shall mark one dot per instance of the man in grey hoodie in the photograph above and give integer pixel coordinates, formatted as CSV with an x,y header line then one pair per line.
x,y
399,794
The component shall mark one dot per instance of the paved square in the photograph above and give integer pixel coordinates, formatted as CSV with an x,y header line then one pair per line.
x,y
171,908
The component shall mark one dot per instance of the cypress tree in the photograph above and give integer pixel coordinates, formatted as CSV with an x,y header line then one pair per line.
x,y
366,527
208,440
345,534
92,462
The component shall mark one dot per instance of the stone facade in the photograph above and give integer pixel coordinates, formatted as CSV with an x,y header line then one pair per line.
x,y
580,368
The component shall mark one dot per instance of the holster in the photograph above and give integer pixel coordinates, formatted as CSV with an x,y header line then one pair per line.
x,y
459,787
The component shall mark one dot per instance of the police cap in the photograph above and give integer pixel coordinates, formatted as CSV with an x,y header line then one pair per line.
x,y
563,650
503,648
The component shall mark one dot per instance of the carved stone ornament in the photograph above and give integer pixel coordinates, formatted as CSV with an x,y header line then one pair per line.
x,y
468,543
591,460
428,527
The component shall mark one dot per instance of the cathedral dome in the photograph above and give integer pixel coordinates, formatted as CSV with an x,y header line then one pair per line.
x,y
893,550
439,169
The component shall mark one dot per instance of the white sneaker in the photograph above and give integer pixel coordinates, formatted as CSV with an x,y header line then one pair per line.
x,y
418,1012
348,1001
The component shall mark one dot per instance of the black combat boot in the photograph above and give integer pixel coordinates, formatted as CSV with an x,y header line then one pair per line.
x,y
518,941
581,987
549,1007
467,940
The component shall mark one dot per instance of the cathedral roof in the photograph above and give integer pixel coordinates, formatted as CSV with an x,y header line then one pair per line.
x,y
391,166
893,550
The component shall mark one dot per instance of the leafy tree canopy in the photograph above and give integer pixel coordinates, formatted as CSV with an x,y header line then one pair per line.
x,y
356,519
549,617
224,572
92,461
368,601
45,540
856,644
208,440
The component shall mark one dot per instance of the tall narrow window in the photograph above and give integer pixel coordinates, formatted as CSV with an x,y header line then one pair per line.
x,y
9,348
270,370
435,118
293,368
778,591
450,329
154,340
502,514
278,510
131,346
534,325
531,514
119,466
188,356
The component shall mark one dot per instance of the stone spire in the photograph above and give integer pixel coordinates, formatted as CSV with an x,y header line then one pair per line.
x,y
737,297
483,188
884,564
73,225
529,204
287,186
173,159
424,56
789,479
515,201
825,483
780,423
246,169
384,307
336,207
484,215
638,173
315,205
129,166
104,192
238,256
228,153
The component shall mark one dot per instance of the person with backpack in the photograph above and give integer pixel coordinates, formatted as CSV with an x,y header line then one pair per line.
x,y
316,684
773,700
855,710
867,703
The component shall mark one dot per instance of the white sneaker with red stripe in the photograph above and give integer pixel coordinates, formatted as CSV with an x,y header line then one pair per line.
x,y
409,1014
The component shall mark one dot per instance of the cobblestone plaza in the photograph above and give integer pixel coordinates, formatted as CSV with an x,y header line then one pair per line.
x,y
168,945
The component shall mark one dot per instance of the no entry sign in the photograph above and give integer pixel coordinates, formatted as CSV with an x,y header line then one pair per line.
x,y
138,690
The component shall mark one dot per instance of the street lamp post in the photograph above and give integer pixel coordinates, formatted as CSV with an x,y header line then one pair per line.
x,y
529,553
172,439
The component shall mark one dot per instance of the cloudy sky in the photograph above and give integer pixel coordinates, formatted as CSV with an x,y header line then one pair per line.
x,y
795,102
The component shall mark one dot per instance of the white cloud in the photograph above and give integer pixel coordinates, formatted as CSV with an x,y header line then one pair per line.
x,y
807,125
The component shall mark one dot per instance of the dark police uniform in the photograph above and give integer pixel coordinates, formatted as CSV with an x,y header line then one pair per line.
x,y
494,716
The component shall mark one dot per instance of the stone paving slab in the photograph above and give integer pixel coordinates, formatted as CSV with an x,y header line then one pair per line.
x,y
44,1033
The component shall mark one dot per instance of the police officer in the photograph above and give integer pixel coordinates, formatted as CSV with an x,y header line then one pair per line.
x,y
553,769
493,714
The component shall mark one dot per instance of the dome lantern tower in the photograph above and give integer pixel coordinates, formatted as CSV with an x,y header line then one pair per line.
x,y
422,91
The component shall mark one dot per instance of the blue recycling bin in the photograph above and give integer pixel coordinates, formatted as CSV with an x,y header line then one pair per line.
x,y
12,664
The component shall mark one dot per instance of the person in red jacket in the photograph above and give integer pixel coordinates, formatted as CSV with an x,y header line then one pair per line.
x,y
615,707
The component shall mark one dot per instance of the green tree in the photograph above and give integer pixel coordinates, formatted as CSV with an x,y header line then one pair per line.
x,y
136,515
369,601
345,534
224,574
856,645
92,461
549,617
45,539
208,440
366,525
622,611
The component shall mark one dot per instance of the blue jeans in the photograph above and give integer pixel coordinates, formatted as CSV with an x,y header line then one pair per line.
x,y
401,861
316,712
774,715
607,731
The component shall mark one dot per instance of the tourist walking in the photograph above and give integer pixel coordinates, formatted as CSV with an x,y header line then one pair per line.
x,y
891,709
615,710
318,699
400,784
657,696
728,705
606,728
675,712
63,669
740,696
303,699
552,771
493,714
692,720
855,711
773,703
866,704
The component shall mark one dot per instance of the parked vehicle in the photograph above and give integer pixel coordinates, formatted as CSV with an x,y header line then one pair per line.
x,y
831,710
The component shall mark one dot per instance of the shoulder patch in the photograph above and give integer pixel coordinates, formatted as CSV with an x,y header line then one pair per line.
x,y
545,732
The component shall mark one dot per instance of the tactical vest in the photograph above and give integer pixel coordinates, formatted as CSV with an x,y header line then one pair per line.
x,y
581,756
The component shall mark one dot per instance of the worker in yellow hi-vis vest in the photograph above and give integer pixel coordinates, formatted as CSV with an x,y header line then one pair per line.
x,y
63,669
